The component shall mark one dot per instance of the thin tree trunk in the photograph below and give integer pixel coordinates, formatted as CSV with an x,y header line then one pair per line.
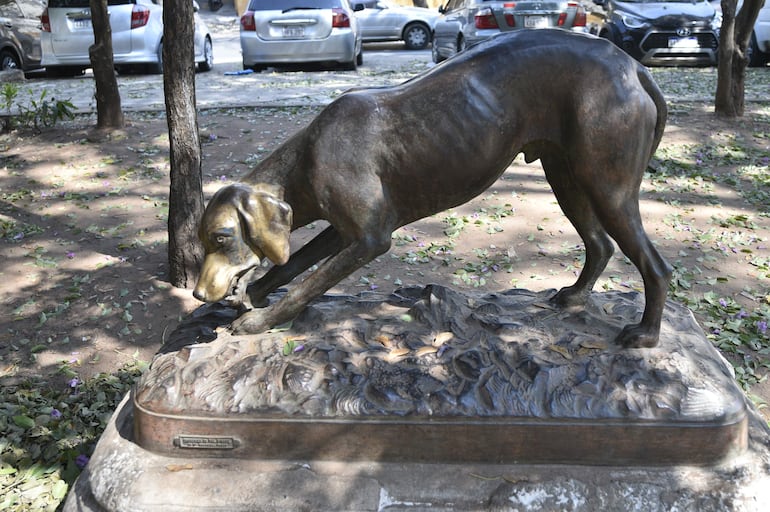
x,y
734,40
186,192
108,110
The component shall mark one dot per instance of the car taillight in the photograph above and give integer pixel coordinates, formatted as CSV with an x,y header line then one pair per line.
x,y
510,20
45,21
340,18
485,18
247,22
140,15
580,17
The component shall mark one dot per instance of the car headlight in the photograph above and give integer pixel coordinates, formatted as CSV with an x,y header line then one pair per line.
x,y
716,21
632,21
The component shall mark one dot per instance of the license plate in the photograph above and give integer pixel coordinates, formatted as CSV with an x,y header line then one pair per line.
x,y
683,42
82,23
293,32
535,22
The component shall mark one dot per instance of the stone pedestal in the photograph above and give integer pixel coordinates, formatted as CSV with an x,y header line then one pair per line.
x,y
433,399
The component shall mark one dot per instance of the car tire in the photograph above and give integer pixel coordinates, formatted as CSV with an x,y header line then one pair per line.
x,y
9,60
757,59
416,36
63,71
157,67
435,54
360,58
208,56
608,33
350,66
462,44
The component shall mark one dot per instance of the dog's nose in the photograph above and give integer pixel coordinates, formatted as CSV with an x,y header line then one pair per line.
x,y
199,294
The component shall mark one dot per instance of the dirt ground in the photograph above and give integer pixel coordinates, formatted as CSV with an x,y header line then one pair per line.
x,y
83,278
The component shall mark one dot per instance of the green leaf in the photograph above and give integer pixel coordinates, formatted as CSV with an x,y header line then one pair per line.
x,y
24,422
59,489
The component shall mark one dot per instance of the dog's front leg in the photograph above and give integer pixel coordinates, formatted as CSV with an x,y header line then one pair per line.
x,y
329,273
322,246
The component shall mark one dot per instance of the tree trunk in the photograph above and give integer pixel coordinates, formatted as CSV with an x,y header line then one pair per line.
x,y
109,114
734,40
186,192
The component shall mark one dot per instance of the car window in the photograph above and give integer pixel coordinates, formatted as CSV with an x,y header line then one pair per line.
x,y
32,8
453,5
282,5
9,9
85,3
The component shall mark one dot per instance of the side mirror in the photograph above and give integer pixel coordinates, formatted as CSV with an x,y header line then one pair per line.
x,y
358,7
196,6
441,9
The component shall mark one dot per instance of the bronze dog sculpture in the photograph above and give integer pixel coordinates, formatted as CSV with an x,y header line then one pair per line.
x,y
377,159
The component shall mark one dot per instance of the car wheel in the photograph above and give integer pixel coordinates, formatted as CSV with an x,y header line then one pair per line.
x,y
157,68
462,45
434,53
608,33
350,66
63,71
360,58
8,60
208,56
756,58
416,36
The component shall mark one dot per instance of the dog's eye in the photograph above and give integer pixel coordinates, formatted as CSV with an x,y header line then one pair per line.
x,y
221,239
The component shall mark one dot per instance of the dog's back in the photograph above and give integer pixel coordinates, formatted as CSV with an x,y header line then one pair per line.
x,y
438,140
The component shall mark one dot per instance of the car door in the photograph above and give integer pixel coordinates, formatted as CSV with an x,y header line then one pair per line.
x,y
378,21
20,26
448,27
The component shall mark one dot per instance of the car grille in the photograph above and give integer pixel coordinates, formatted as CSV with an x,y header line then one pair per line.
x,y
657,40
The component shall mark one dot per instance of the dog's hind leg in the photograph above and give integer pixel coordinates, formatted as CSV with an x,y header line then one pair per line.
x,y
576,206
322,246
616,206
330,272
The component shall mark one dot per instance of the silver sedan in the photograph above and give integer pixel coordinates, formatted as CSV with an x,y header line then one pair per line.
x,y
381,20
275,32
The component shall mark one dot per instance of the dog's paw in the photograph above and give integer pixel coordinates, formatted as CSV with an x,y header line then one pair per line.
x,y
637,336
251,322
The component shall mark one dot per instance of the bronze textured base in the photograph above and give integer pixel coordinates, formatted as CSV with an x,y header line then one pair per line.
x,y
434,375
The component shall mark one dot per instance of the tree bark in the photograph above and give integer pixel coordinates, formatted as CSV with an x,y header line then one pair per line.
x,y
109,113
186,191
734,38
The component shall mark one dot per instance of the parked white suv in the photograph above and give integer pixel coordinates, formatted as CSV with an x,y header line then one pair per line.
x,y
137,37
760,40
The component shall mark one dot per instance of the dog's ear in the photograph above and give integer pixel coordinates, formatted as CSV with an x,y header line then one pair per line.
x,y
268,225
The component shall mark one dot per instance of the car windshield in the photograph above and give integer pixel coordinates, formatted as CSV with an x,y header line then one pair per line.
x,y
84,3
289,5
32,8
661,1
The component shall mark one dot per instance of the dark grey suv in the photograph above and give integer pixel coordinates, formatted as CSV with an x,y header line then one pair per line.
x,y
20,34
662,32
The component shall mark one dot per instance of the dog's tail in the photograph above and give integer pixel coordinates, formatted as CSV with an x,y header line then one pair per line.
x,y
659,100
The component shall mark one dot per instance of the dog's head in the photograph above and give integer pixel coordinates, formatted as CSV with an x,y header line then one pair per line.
x,y
240,226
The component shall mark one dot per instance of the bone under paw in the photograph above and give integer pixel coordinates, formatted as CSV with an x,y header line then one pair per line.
x,y
251,322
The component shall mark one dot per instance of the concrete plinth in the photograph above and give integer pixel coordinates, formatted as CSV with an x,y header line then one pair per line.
x,y
122,477
474,402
